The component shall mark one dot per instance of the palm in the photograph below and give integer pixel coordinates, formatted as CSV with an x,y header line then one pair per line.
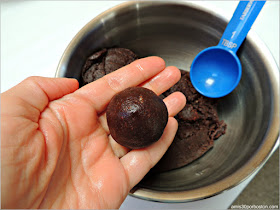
x,y
87,167
70,160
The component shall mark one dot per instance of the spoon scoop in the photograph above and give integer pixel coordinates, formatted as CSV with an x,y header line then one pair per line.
x,y
216,71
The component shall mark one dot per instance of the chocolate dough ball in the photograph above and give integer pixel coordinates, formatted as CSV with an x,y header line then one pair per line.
x,y
136,117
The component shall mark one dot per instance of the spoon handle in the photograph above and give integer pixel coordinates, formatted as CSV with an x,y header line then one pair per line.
x,y
240,24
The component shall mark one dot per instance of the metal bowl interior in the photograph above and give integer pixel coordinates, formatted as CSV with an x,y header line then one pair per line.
x,y
177,32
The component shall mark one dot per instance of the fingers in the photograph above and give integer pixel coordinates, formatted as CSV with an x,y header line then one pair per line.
x,y
163,80
101,91
118,149
175,102
137,163
38,91
159,84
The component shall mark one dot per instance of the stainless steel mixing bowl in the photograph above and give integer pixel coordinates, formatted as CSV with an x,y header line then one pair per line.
x,y
177,31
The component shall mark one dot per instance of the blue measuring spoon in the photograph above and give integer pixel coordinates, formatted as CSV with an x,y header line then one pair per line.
x,y
216,71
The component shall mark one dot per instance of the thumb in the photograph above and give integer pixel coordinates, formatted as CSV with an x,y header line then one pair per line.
x,y
39,91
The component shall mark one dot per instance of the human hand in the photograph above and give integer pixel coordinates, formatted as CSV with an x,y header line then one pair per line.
x,y
56,149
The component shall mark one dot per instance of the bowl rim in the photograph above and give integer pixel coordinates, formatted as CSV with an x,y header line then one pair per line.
x,y
256,162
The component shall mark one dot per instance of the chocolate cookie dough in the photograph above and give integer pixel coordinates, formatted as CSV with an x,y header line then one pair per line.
x,y
136,117
199,124
104,62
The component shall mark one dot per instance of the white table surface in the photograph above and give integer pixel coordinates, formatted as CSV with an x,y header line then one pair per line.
x,y
34,35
